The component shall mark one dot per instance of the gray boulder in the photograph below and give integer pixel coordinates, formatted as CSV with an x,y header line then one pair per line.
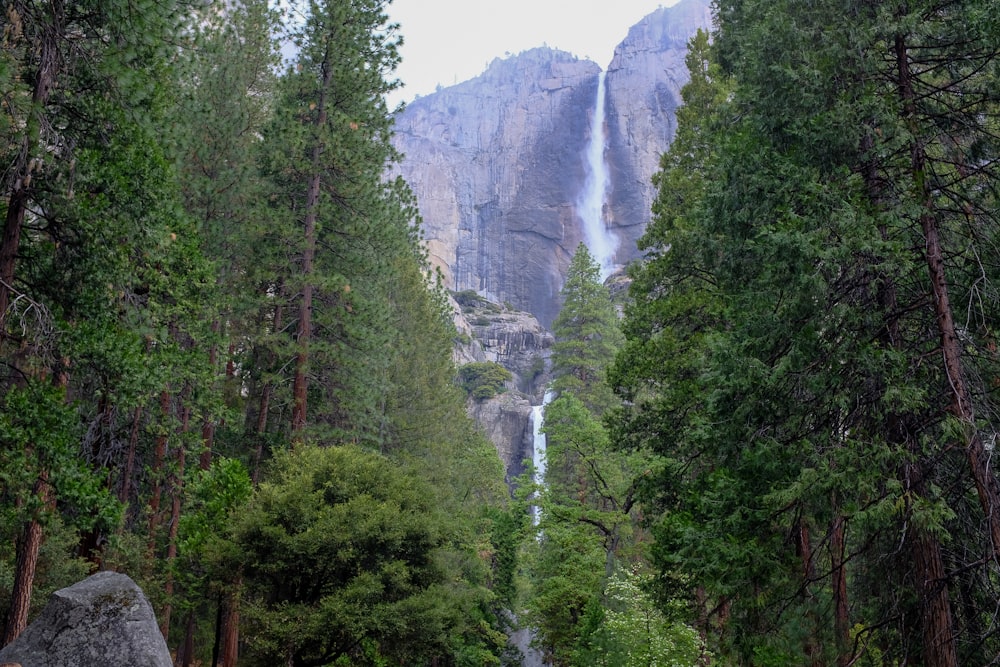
x,y
103,621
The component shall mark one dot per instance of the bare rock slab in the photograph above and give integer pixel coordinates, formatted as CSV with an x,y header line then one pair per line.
x,y
103,621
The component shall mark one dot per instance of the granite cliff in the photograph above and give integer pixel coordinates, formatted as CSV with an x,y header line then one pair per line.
x,y
498,162
494,332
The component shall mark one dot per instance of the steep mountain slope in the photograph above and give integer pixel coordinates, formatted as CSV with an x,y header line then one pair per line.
x,y
498,162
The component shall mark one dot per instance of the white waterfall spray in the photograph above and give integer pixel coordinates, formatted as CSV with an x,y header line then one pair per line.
x,y
538,448
601,242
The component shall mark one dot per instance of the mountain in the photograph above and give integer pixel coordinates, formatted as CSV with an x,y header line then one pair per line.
x,y
498,162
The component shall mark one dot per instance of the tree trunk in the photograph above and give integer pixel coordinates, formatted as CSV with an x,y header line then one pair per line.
x,y
125,490
22,170
208,425
185,653
231,625
300,386
159,455
987,486
838,574
28,548
177,488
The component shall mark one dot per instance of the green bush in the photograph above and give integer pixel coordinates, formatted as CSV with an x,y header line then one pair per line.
x,y
483,379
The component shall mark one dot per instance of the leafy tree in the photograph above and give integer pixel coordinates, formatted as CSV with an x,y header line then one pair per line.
x,y
342,557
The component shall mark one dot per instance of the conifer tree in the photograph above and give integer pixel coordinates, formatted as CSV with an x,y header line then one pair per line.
x,y
780,345
90,213
588,531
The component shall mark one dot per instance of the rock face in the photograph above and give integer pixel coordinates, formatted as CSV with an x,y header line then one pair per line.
x,y
506,421
644,84
495,163
498,163
103,621
519,343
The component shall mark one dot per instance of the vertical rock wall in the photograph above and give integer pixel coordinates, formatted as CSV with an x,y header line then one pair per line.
x,y
497,163
644,83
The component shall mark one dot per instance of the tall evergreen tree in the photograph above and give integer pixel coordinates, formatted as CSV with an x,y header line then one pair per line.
x,y
804,413
587,334
588,531
90,215
327,153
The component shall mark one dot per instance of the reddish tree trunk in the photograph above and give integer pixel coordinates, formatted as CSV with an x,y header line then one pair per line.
x,y
300,387
987,485
936,619
28,547
159,455
231,626
838,574
185,654
128,469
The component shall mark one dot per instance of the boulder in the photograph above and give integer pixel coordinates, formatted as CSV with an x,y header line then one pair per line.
x,y
103,621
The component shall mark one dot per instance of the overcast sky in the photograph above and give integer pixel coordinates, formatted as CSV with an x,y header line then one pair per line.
x,y
448,41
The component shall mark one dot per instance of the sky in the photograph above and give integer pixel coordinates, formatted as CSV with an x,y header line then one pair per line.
x,y
449,41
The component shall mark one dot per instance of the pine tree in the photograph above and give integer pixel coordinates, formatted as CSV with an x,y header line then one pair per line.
x,y
90,210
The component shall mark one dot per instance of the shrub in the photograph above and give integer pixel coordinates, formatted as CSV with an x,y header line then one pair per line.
x,y
483,379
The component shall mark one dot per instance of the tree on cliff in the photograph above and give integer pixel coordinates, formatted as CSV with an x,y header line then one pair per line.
x,y
792,349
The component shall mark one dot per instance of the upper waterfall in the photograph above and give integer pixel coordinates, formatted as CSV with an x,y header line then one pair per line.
x,y
591,207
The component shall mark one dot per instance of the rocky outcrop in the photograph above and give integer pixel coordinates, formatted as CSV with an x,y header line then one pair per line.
x,y
498,162
103,621
505,420
514,339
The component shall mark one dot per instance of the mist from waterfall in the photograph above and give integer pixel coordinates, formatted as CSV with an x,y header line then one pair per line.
x,y
601,242
538,448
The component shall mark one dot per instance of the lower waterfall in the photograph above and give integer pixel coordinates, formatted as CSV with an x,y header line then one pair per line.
x,y
538,448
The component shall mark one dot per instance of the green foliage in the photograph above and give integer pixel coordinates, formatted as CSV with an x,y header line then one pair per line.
x,y
39,432
39,464
483,379
779,331
587,334
633,632
157,282
341,552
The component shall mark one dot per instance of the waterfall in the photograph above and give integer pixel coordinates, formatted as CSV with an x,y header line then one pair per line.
x,y
538,448
601,242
